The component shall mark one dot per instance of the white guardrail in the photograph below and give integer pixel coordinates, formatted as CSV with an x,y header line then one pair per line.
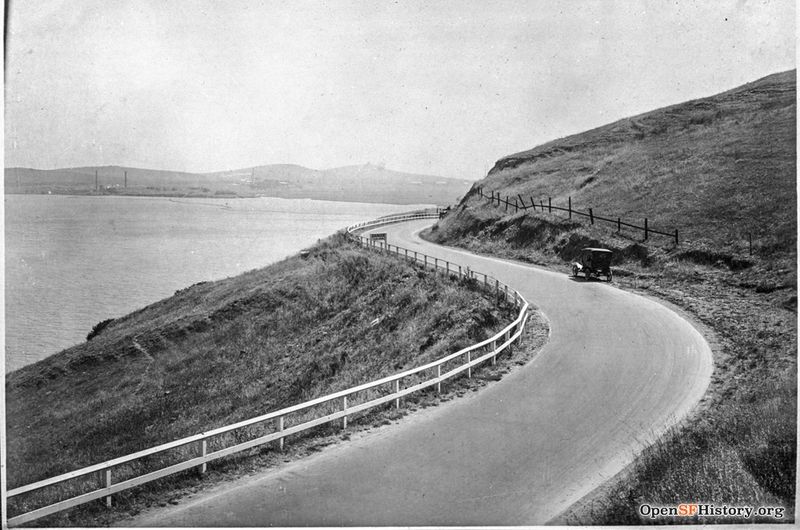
x,y
113,476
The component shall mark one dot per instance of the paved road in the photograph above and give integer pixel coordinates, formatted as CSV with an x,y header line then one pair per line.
x,y
617,370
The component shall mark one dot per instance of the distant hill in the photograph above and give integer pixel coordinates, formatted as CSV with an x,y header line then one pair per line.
x,y
364,183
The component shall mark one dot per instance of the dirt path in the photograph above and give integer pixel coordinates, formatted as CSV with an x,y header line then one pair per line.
x,y
617,371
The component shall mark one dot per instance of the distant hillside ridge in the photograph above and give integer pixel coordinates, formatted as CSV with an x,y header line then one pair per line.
x,y
717,168
360,183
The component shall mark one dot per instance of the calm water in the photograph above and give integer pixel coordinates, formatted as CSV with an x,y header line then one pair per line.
x,y
74,261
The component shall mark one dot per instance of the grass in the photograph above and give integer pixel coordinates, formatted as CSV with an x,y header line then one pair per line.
x,y
220,352
716,169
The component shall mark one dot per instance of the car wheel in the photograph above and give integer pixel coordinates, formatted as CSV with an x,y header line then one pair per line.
x,y
575,271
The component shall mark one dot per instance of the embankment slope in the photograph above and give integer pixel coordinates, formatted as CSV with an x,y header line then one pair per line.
x,y
220,352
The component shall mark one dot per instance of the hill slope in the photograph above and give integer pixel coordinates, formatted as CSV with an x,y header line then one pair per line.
x,y
364,183
717,169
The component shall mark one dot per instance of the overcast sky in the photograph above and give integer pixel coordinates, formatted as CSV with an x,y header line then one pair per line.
x,y
437,87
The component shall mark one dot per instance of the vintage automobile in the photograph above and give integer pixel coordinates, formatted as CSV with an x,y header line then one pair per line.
x,y
593,262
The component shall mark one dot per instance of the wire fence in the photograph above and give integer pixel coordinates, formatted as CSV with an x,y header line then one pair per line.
x,y
511,202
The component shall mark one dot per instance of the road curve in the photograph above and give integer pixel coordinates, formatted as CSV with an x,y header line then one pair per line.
x,y
618,370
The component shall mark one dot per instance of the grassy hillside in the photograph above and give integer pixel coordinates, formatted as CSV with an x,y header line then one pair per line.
x,y
216,353
365,183
716,169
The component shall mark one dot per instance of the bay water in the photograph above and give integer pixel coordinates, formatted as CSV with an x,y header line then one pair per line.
x,y
72,261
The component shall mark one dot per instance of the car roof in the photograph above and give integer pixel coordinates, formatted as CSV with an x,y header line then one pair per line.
x,y
597,249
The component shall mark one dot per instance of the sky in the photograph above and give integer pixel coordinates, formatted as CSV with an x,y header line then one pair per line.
x,y
434,87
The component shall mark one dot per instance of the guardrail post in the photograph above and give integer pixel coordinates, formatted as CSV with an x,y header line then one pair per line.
x,y
494,349
397,391
447,267
485,281
406,254
344,408
459,272
439,377
280,428
505,292
203,453
107,484
425,260
469,368
496,291
435,265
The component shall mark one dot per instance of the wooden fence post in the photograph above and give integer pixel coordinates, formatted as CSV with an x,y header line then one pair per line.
x,y
506,202
533,204
591,216
521,202
541,203
645,228
107,484
516,208
619,225
570,207
549,205
676,237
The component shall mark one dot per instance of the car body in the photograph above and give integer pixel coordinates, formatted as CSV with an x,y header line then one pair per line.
x,y
593,262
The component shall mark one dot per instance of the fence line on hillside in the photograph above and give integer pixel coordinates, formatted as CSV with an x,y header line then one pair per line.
x,y
102,480
549,207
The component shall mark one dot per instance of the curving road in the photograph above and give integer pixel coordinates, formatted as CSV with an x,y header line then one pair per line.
x,y
618,370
